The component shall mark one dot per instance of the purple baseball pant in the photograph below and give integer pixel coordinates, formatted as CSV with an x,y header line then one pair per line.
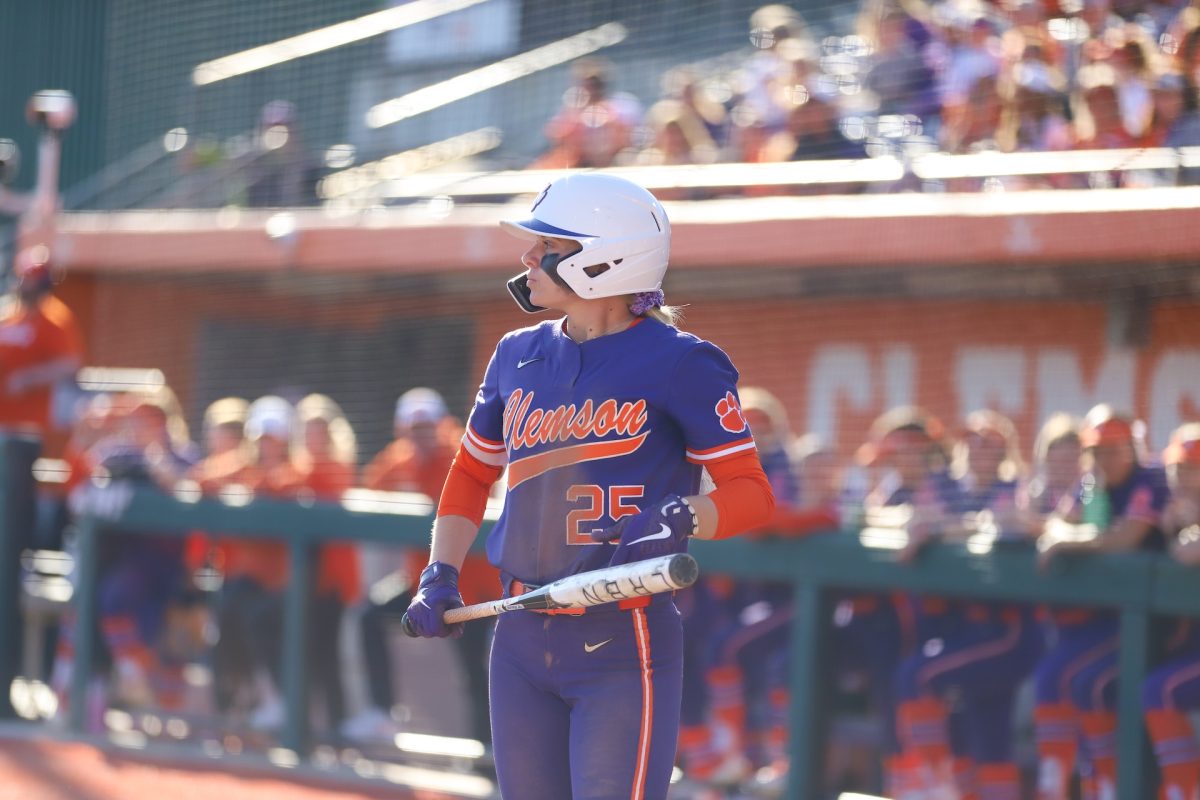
x,y
586,707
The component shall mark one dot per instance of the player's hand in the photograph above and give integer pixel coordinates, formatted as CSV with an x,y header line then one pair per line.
x,y
436,593
657,531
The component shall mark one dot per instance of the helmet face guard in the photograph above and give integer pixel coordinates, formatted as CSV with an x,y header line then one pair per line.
x,y
518,286
623,234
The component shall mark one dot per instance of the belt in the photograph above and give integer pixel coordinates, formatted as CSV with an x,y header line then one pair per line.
x,y
516,587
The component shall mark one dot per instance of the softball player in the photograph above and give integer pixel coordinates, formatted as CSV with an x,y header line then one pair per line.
x,y
988,648
605,419
1076,679
1173,690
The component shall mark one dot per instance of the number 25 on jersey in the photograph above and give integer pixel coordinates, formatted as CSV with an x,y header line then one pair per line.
x,y
620,503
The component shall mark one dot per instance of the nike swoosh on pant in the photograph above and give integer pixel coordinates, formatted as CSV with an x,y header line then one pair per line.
x,y
663,534
591,648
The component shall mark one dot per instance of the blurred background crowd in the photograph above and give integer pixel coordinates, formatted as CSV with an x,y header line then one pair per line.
x,y
958,698
195,351
883,79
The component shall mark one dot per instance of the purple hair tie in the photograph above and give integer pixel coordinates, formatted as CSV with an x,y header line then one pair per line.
x,y
644,301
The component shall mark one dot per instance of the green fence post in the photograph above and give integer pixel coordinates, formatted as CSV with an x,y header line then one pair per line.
x,y
9,579
807,712
1131,742
295,645
84,637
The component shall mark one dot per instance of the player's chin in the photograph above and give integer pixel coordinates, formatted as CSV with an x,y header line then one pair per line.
x,y
540,296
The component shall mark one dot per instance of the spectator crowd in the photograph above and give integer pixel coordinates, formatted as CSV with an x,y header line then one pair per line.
x,y
913,77
940,675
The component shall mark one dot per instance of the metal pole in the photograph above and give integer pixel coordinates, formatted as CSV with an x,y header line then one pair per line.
x,y
87,575
295,645
9,572
1131,742
806,714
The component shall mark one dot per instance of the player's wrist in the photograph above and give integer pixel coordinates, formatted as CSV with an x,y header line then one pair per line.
x,y
694,530
439,573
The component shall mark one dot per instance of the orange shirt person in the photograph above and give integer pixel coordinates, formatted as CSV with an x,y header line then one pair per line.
x,y
427,439
40,345
271,474
327,464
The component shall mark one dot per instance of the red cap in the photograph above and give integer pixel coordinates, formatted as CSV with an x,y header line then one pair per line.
x,y
1103,425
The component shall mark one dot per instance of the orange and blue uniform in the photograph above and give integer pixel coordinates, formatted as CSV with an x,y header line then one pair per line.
x,y
1075,681
587,705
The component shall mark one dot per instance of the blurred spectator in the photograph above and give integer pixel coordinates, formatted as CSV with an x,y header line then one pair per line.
x,y
226,453
1034,117
1099,17
278,172
779,35
326,458
973,126
898,76
1057,455
594,125
986,649
987,465
1134,76
873,633
1098,121
1117,508
678,136
1187,56
427,440
141,576
225,467
813,132
40,346
969,53
748,137
697,101
1167,112
1172,690
249,608
820,474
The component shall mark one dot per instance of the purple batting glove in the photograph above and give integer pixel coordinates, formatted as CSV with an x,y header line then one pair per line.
x,y
657,531
437,592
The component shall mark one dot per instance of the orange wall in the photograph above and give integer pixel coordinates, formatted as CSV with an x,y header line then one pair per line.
x,y
835,363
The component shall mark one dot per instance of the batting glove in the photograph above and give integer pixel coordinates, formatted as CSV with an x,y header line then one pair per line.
x,y
658,531
437,592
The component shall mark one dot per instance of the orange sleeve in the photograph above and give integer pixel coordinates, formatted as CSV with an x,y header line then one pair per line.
x,y
466,490
743,495
68,341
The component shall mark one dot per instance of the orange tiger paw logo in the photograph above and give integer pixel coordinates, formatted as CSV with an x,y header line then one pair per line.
x,y
730,414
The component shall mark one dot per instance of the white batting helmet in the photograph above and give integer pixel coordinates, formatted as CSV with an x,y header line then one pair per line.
x,y
623,234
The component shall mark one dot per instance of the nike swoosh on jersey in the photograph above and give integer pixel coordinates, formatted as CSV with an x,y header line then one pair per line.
x,y
524,362
591,648
665,533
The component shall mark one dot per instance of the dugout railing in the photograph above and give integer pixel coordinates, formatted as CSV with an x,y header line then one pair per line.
x,y
1139,586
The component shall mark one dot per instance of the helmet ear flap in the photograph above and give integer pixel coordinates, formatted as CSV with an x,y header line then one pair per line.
x,y
518,287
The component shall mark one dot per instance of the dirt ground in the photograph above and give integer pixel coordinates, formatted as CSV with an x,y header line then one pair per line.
x,y
42,769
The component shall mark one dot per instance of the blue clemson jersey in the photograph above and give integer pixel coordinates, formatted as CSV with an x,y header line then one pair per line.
x,y
595,431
